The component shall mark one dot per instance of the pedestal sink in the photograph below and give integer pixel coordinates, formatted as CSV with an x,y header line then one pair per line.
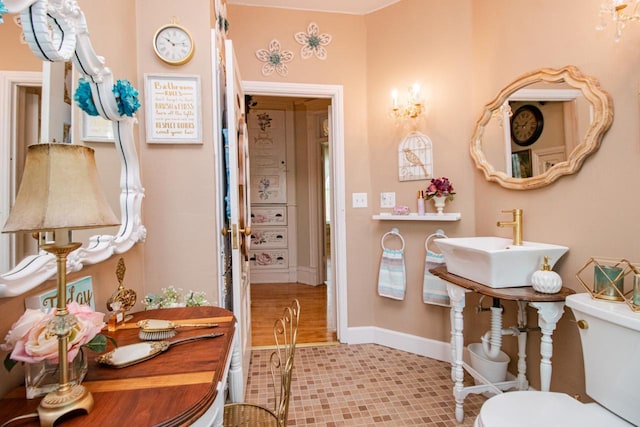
x,y
495,261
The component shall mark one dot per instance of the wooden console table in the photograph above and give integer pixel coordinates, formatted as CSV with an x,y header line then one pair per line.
x,y
550,308
182,386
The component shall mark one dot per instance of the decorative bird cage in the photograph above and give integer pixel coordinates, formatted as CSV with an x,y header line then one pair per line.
x,y
415,157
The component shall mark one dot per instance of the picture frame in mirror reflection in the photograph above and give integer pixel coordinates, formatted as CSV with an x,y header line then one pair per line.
x,y
521,164
96,129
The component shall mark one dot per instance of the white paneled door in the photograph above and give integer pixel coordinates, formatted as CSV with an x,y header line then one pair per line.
x,y
240,217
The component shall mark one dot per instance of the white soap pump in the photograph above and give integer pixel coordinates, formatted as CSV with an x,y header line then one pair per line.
x,y
545,280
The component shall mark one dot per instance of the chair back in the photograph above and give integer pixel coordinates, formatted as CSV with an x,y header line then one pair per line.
x,y
285,332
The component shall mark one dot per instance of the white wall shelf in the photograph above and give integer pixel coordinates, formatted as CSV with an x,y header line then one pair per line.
x,y
449,216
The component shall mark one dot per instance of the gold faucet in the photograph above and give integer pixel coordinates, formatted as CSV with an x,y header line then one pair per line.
x,y
516,224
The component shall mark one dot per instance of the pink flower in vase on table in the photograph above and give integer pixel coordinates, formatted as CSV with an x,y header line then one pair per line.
x,y
29,340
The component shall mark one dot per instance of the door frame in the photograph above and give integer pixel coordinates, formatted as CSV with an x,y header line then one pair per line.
x,y
9,83
338,232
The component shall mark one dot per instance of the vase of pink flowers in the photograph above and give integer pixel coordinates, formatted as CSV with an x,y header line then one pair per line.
x,y
29,341
440,190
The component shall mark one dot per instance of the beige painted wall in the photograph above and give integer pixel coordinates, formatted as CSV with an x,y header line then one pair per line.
x,y
462,53
179,180
568,212
252,29
15,55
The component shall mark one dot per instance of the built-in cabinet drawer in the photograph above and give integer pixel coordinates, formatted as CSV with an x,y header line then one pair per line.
x,y
269,258
268,215
268,237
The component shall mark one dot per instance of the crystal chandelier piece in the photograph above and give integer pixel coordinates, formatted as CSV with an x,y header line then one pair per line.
x,y
620,12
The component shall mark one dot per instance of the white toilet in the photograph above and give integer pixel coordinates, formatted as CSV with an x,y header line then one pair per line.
x,y
610,335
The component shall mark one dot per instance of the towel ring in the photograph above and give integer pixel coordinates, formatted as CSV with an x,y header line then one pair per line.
x,y
393,232
439,234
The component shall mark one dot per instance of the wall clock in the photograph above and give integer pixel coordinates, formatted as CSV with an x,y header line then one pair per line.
x,y
526,125
173,44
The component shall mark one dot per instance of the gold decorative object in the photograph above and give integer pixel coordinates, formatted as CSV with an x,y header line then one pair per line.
x,y
127,355
611,280
125,297
412,108
620,12
60,192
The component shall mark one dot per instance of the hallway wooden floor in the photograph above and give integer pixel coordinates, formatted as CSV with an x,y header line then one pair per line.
x,y
268,301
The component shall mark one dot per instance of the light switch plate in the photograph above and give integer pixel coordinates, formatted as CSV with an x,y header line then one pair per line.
x,y
359,200
387,200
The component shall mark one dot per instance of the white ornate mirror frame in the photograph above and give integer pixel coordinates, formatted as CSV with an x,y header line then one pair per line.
x,y
602,117
56,30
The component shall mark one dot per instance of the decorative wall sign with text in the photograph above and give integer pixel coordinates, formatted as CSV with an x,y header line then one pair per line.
x,y
173,113
80,291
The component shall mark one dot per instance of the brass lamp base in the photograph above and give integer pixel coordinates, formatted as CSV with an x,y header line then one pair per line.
x,y
62,402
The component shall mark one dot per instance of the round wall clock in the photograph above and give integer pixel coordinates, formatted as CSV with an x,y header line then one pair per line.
x,y
173,44
526,125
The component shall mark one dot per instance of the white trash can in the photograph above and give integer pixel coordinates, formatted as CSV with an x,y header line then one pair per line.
x,y
494,371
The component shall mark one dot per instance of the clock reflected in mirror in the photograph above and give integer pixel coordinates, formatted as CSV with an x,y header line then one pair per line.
x,y
526,125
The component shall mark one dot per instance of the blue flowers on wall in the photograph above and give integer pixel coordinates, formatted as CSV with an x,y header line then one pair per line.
x,y
3,10
276,59
126,98
313,43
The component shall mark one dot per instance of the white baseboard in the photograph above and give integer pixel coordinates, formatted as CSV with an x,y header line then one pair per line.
x,y
308,275
433,349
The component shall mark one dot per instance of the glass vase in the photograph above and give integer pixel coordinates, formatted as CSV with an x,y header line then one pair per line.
x,y
41,378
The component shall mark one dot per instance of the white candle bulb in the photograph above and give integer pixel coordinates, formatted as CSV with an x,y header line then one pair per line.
x,y
416,91
394,98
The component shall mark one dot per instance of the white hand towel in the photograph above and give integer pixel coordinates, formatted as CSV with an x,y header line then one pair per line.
x,y
392,280
434,289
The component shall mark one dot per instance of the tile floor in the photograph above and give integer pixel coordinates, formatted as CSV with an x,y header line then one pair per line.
x,y
363,385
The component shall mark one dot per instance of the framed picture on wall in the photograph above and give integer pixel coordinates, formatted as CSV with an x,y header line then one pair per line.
x,y
173,110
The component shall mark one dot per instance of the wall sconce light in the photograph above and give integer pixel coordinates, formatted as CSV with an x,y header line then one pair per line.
x,y
412,108
620,12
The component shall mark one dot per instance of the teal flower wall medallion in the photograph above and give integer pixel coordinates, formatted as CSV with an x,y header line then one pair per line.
x,y
3,10
274,59
313,43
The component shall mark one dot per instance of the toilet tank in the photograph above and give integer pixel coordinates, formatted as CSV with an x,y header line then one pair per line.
x,y
611,352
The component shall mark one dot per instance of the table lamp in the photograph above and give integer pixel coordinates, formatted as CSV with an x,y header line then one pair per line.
x,y
60,192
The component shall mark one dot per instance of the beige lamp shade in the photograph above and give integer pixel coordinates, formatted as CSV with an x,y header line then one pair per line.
x,y
59,190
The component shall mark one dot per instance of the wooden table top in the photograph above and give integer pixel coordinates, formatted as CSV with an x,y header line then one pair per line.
x,y
174,388
524,293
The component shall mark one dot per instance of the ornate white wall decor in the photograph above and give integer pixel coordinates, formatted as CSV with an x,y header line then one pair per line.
x,y
57,31
313,42
415,157
274,59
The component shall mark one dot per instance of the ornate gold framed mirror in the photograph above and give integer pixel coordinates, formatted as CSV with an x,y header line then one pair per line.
x,y
576,111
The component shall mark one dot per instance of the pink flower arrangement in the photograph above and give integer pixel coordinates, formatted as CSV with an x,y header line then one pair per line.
x,y
29,341
440,187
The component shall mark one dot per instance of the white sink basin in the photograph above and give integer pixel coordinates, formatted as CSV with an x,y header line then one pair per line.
x,y
495,261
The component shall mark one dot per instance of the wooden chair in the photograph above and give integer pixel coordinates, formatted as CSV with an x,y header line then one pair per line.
x,y
285,332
